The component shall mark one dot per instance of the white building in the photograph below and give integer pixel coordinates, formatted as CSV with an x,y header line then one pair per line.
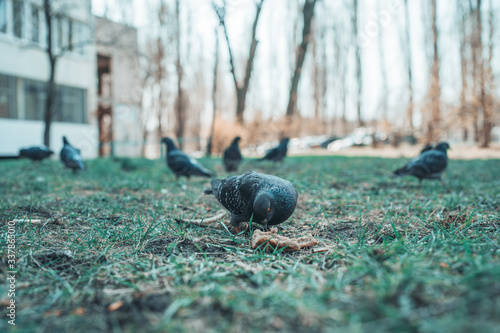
x,y
24,69
119,92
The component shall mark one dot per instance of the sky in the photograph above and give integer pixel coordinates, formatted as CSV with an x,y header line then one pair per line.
x,y
269,86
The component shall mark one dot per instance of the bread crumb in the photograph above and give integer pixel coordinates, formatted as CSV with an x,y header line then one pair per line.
x,y
274,241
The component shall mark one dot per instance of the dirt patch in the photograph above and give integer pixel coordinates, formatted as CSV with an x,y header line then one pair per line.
x,y
182,246
62,261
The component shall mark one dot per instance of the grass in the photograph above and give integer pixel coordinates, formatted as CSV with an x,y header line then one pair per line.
x,y
105,250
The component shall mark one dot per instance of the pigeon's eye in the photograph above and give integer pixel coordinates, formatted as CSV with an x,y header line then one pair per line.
x,y
269,209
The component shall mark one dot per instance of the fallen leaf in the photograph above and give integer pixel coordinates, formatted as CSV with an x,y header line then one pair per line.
x,y
78,311
55,313
115,306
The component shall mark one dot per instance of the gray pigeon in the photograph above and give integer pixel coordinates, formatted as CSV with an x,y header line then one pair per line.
x,y
429,165
183,165
36,153
278,153
271,200
232,156
71,157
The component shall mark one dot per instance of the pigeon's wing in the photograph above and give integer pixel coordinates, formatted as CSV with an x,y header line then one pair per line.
x,y
72,159
429,163
232,158
434,161
184,165
236,193
272,154
178,162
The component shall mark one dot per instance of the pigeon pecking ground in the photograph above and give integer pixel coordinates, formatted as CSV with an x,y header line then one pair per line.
x,y
261,198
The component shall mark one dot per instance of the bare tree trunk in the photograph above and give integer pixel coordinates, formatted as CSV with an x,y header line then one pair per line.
x,y
179,101
487,123
340,74
241,91
51,86
475,69
319,75
308,12
409,61
463,111
214,96
359,76
488,118
385,90
434,125
159,57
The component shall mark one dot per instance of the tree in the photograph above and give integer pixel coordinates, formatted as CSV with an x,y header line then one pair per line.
x,y
485,108
320,70
308,13
359,76
434,124
180,111
489,81
340,70
409,66
214,95
51,85
385,91
463,113
241,90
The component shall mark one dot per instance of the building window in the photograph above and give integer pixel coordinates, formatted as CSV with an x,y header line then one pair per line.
x,y
18,18
3,16
8,96
71,105
60,33
80,37
35,24
70,35
35,95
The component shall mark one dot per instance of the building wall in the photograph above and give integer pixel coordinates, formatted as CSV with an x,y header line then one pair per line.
x,y
17,134
119,43
25,59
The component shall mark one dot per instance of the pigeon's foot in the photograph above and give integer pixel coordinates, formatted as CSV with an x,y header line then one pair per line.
x,y
237,229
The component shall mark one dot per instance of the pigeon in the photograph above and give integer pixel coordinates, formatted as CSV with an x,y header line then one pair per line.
x,y
264,199
429,165
183,165
36,153
232,156
277,154
71,157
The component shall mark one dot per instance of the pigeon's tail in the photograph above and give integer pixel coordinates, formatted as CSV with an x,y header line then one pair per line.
x,y
206,173
400,172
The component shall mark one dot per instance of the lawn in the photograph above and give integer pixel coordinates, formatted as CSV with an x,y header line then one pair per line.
x,y
110,250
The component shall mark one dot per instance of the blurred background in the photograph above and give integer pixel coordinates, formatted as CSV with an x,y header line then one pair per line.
x,y
116,76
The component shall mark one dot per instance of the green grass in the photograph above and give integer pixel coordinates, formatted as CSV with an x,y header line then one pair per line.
x,y
399,257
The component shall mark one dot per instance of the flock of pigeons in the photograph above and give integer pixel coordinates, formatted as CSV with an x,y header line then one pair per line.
x,y
269,200
71,157
252,196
